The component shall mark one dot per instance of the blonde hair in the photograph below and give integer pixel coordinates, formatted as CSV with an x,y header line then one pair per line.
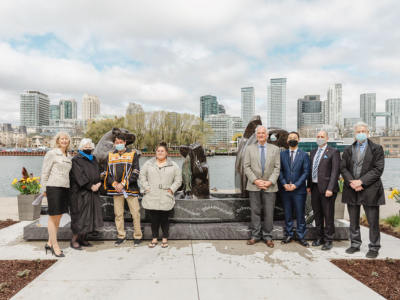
x,y
54,142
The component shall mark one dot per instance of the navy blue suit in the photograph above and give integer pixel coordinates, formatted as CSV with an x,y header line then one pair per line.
x,y
296,174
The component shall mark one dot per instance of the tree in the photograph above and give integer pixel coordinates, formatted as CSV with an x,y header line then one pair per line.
x,y
100,128
344,131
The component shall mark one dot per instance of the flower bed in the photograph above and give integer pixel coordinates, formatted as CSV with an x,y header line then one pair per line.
x,y
16,274
6,223
380,275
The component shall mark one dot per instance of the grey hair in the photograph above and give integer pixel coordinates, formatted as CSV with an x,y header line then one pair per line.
x,y
358,124
266,129
326,132
84,142
54,142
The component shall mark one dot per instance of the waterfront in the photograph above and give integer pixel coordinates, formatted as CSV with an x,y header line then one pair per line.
x,y
221,168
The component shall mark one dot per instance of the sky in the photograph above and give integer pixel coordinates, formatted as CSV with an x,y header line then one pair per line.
x,y
164,55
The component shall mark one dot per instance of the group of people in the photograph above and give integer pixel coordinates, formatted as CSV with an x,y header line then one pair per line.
x,y
295,173
73,186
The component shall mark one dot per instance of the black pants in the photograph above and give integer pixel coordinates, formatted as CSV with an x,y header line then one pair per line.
x,y
159,217
324,212
372,213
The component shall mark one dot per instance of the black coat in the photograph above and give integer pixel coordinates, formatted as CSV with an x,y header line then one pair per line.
x,y
328,170
86,213
371,172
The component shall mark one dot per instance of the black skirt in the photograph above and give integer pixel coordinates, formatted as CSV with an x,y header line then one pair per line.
x,y
58,200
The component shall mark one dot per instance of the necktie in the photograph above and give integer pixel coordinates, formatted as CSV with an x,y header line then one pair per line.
x,y
291,158
358,153
262,159
315,168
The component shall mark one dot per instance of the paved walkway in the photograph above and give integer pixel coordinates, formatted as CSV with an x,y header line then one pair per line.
x,y
192,270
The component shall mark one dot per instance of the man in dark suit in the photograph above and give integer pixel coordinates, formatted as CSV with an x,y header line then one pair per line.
x,y
323,187
362,167
295,170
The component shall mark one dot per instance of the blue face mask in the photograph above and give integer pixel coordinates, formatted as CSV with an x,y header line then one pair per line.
x,y
120,147
361,137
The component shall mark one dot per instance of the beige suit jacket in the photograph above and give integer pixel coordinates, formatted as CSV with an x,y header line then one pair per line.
x,y
253,171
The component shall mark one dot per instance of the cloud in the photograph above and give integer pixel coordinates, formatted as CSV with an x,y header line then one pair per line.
x,y
166,54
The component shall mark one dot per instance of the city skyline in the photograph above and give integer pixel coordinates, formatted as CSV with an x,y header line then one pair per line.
x,y
167,61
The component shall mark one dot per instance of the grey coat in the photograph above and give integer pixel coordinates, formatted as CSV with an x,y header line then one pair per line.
x,y
158,181
371,172
252,167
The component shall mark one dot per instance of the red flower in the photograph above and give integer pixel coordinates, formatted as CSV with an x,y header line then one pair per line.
x,y
24,187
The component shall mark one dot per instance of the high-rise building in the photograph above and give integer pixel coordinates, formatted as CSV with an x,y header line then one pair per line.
x,y
335,105
224,127
248,104
134,109
276,103
393,121
324,111
54,112
34,109
350,122
68,109
90,106
367,108
208,106
309,111
221,109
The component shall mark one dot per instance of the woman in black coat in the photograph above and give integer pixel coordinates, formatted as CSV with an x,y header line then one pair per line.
x,y
86,214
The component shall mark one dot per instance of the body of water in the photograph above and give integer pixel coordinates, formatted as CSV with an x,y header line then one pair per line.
x,y
221,171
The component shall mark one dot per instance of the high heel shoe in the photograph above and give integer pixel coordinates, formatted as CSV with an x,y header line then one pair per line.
x,y
48,248
54,253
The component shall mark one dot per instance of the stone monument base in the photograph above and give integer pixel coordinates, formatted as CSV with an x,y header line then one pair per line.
x,y
178,231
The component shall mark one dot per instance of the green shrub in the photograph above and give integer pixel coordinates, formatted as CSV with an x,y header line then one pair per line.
x,y
393,220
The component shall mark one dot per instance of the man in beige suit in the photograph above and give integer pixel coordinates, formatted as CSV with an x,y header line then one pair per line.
x,y
262,165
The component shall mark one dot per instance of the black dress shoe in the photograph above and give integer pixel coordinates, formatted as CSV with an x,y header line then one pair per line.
x,y
352,250
318,242
327,246
287,240
304,243
372,254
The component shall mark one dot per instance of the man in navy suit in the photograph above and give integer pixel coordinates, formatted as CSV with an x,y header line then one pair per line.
x,y
295,170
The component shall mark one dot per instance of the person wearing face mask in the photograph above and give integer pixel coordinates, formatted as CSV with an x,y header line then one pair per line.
x,y
85,181
295,170
361,167
121,181
323,186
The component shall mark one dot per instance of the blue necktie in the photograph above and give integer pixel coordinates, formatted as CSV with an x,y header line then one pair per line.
x,y
262,159
315,168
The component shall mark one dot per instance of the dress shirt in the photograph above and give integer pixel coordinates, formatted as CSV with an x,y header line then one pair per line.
x,y
362,146
294,154
265,150
320,158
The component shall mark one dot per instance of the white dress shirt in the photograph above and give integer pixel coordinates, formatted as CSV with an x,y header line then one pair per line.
x,y
320,158
294,154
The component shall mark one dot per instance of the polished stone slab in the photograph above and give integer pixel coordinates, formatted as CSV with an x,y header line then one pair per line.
x,y
178,231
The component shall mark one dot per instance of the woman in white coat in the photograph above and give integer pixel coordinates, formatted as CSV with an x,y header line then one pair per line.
x,y
55,184
160,178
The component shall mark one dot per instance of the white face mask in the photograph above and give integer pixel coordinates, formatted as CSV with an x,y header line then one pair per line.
x,y
321,141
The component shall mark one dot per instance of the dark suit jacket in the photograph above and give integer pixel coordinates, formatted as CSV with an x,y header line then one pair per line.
x,y
328,169
298,174
371,172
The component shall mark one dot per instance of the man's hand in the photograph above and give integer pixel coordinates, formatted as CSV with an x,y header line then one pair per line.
x,y
360,188
267,184
288,187
259,183
119,187
309,190
355,183
293,187
328,193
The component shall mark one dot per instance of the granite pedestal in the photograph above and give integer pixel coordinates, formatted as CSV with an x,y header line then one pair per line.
x,y
178,231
